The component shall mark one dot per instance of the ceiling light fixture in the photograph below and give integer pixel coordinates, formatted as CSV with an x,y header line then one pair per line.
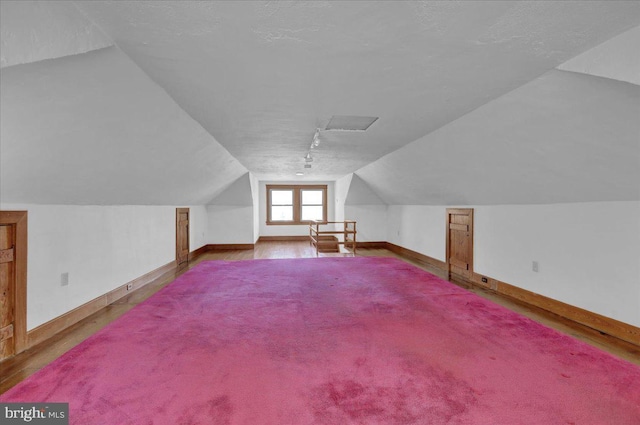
x,y
299,173
315,142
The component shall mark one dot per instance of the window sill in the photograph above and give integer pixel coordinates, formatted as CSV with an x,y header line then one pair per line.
x,y
288,223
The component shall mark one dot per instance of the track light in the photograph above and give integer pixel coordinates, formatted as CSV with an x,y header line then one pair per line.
x,y
308,157
316,139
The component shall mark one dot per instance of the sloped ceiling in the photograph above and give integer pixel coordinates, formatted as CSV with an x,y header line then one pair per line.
x,y
565,137
361,194
618,59
93,129
261,76
195,94
37,30
239,193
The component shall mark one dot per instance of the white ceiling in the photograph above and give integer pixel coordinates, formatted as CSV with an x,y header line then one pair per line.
x,y
192,95
261,76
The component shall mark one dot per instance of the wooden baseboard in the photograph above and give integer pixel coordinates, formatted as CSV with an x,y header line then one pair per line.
x,y
588,318
60,323
621,330
283,238
198,252
416,256
371,245
229,246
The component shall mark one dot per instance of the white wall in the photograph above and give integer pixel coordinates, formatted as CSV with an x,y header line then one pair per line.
x,y
198,227
588,253
298,230
255,194
371,221
341,191
420,228
231,216
101,247
230,224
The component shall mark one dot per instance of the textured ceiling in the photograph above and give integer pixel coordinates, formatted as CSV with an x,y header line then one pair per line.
x,y
261,76
190,96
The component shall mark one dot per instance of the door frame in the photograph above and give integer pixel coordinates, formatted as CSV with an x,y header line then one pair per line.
x,y
18,219
459,211
178,212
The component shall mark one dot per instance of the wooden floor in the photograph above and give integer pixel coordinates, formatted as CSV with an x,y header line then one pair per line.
x,y
14,370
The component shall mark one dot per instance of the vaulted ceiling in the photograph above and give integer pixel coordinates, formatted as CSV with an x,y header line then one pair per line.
x,y
172,102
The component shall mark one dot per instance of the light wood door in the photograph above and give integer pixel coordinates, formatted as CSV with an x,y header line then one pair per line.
x,y
460,242
182,236
13,282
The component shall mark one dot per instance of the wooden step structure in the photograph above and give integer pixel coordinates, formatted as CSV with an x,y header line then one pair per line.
x,y
325,239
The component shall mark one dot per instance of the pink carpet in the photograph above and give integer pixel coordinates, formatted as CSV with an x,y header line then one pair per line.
x,y
331,341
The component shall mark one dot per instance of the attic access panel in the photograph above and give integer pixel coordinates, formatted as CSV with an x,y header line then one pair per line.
x,y
350,123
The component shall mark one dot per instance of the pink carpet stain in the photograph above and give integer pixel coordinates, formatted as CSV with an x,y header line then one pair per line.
x,y
361,340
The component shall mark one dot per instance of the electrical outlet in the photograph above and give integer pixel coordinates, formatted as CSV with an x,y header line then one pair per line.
x,y
129,286
484,280
64,279
535,267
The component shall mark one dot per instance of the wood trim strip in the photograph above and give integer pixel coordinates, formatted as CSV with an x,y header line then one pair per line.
x,y
60,323
20,220
282,238
230,246
615,328
297,202
416,256
198,252
371,245
145,279
588,318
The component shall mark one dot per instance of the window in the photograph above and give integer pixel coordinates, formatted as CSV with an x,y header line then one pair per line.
x,y
296,204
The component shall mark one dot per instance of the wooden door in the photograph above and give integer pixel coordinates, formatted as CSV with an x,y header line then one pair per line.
x,y
12,282
182,237
460,242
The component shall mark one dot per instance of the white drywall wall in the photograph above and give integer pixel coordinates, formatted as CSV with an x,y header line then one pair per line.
x,y
588,253
198,227
101,247
231,216
255,194
420,228
371,221
230,224
341,190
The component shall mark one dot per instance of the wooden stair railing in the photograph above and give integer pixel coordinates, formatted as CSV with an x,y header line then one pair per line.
x,y
326,241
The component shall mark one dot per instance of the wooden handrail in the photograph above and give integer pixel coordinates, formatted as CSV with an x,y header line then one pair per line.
x,y
348,230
